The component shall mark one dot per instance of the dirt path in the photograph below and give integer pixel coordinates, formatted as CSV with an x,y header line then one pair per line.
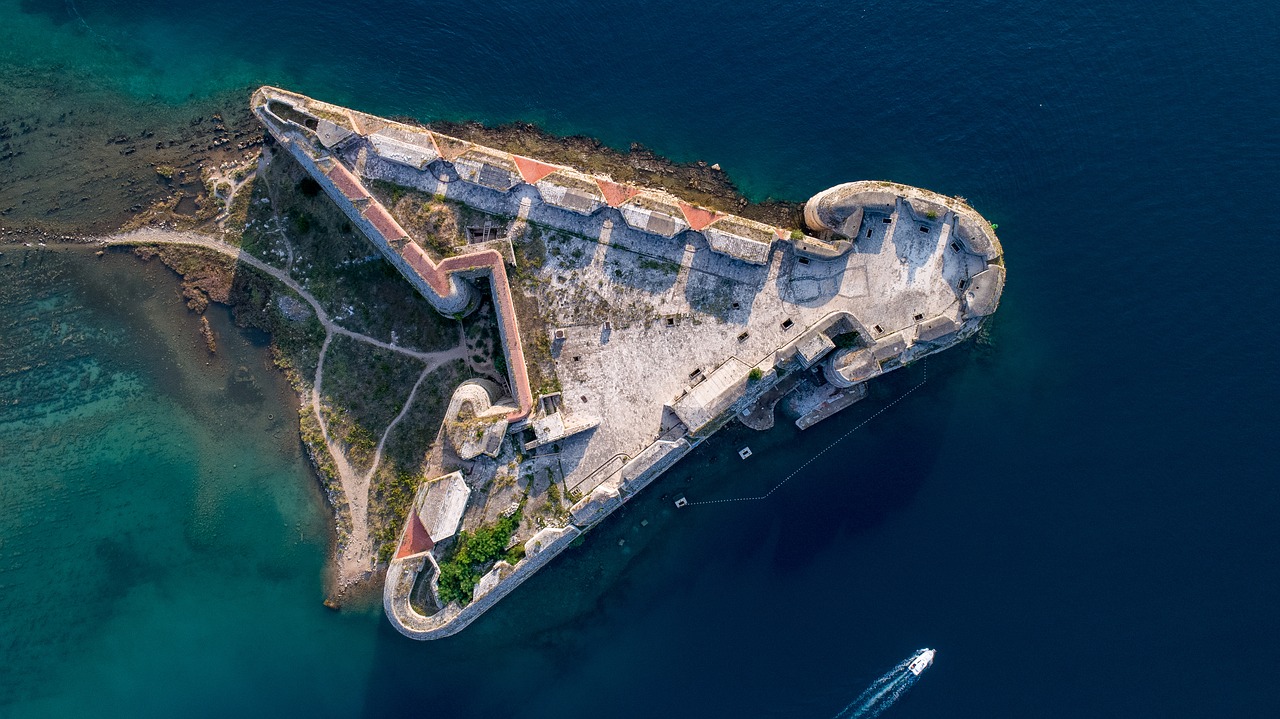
x,y
356,555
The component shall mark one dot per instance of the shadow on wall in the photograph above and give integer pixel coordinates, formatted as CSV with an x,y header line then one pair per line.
x,y
872,233
808,282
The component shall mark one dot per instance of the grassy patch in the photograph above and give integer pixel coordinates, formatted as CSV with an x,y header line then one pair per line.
x,y
364,389
238,213
535,326
405,452
437,224
391,497
407,446
295,345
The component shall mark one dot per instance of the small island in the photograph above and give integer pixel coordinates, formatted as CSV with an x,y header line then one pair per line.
x,y
631,324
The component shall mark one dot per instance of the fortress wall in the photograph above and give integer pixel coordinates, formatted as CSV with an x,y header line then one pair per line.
x,y
418,268
651,463
827,209
540,549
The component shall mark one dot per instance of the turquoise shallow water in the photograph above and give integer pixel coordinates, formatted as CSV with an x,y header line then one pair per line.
x,y
1078,514
154,500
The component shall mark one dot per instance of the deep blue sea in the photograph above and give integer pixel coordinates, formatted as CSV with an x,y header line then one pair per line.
x,y
1079,512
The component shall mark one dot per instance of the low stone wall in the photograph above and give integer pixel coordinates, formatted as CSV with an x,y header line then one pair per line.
x,y
596,506
651,463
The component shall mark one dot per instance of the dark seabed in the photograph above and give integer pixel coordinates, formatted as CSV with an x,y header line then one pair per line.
x,y
1078,511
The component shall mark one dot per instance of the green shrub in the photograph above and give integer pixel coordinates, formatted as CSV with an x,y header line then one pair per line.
x,y
473,555
755,375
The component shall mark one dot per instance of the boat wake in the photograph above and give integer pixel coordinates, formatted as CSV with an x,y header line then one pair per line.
x,y
886,690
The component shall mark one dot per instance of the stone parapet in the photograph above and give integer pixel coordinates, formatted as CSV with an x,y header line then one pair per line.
x,y
651,463
831,208
595,506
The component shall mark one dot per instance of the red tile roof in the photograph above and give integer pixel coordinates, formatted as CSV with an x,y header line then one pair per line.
x,y
616,194
378,216
532,170
507,317
697,217
416,540
346,183
426,269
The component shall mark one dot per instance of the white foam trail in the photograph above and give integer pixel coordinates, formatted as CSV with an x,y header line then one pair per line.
x,y
882,693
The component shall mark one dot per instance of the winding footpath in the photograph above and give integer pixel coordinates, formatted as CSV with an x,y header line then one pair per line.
x,y
357,553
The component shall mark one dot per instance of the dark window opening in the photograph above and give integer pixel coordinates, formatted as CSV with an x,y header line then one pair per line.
x,y
577,357
878,329
919,317
955,247
736,305
804,260
963,284
924,229
887,220
742,337
671,322
786,325
483,234
584,398
868,232
695,373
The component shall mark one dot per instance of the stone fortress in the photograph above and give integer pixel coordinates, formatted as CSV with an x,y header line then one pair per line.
x,y
707,317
